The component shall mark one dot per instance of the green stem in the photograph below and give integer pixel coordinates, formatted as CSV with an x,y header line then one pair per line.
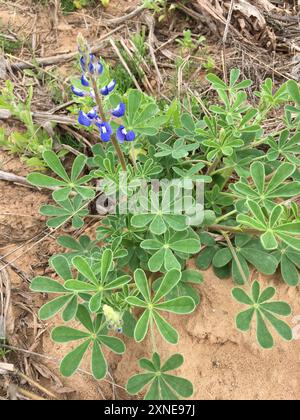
x,y
236,258
234,229
226,216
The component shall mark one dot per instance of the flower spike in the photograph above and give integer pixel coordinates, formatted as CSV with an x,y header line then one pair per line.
x,y
109,88
119,111
124,135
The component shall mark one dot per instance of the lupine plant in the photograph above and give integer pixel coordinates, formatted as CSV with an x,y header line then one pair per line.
x,y
132,280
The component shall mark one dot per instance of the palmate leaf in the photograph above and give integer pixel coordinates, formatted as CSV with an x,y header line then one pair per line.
x,y
184,287
168,250
266,311
94,337
289,261
154,305
67,300
66,184
159,384
265,193
66,211
274,229
95,283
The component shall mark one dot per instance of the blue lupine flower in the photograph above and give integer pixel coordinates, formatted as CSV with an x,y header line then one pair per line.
x,y
92,114
95,66
109,88
84,81
83,119
78,92
83,63
119,111
105,131
124,135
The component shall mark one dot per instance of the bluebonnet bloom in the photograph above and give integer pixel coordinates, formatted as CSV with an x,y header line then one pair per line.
x,y
109,88
119,111
124,135
78,92
84,119
105,131
84,81
92,69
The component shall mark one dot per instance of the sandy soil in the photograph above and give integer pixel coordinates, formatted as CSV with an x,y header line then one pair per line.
x,y
221,362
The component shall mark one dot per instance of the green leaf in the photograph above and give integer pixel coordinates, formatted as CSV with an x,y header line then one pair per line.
x,y
154,393
77,168
67,334
222,257
170,280
142,284
269,241
258,174
84,318
46,285
241,296
166,330
264,337
41,180
52,308
72,361
99,364
95,302
174,362
118,283
82,265
113,343
157,261
281,327
106,264
289,272
138,382
62,267
80,286
181,386
243,319
180,305
186,246
55,164
279,308
142,326
71,309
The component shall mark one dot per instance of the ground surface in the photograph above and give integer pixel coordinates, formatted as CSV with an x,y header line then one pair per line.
x,y
221,362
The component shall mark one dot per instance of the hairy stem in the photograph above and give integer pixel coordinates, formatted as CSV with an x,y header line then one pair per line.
x,y
234,229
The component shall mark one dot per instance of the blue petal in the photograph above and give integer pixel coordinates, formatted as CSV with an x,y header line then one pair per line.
x,y
130,136
84,81
104,91
100,68
83,119
92,114
83,63
109,88
120,135
77,92
119,111
105,131
111,85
